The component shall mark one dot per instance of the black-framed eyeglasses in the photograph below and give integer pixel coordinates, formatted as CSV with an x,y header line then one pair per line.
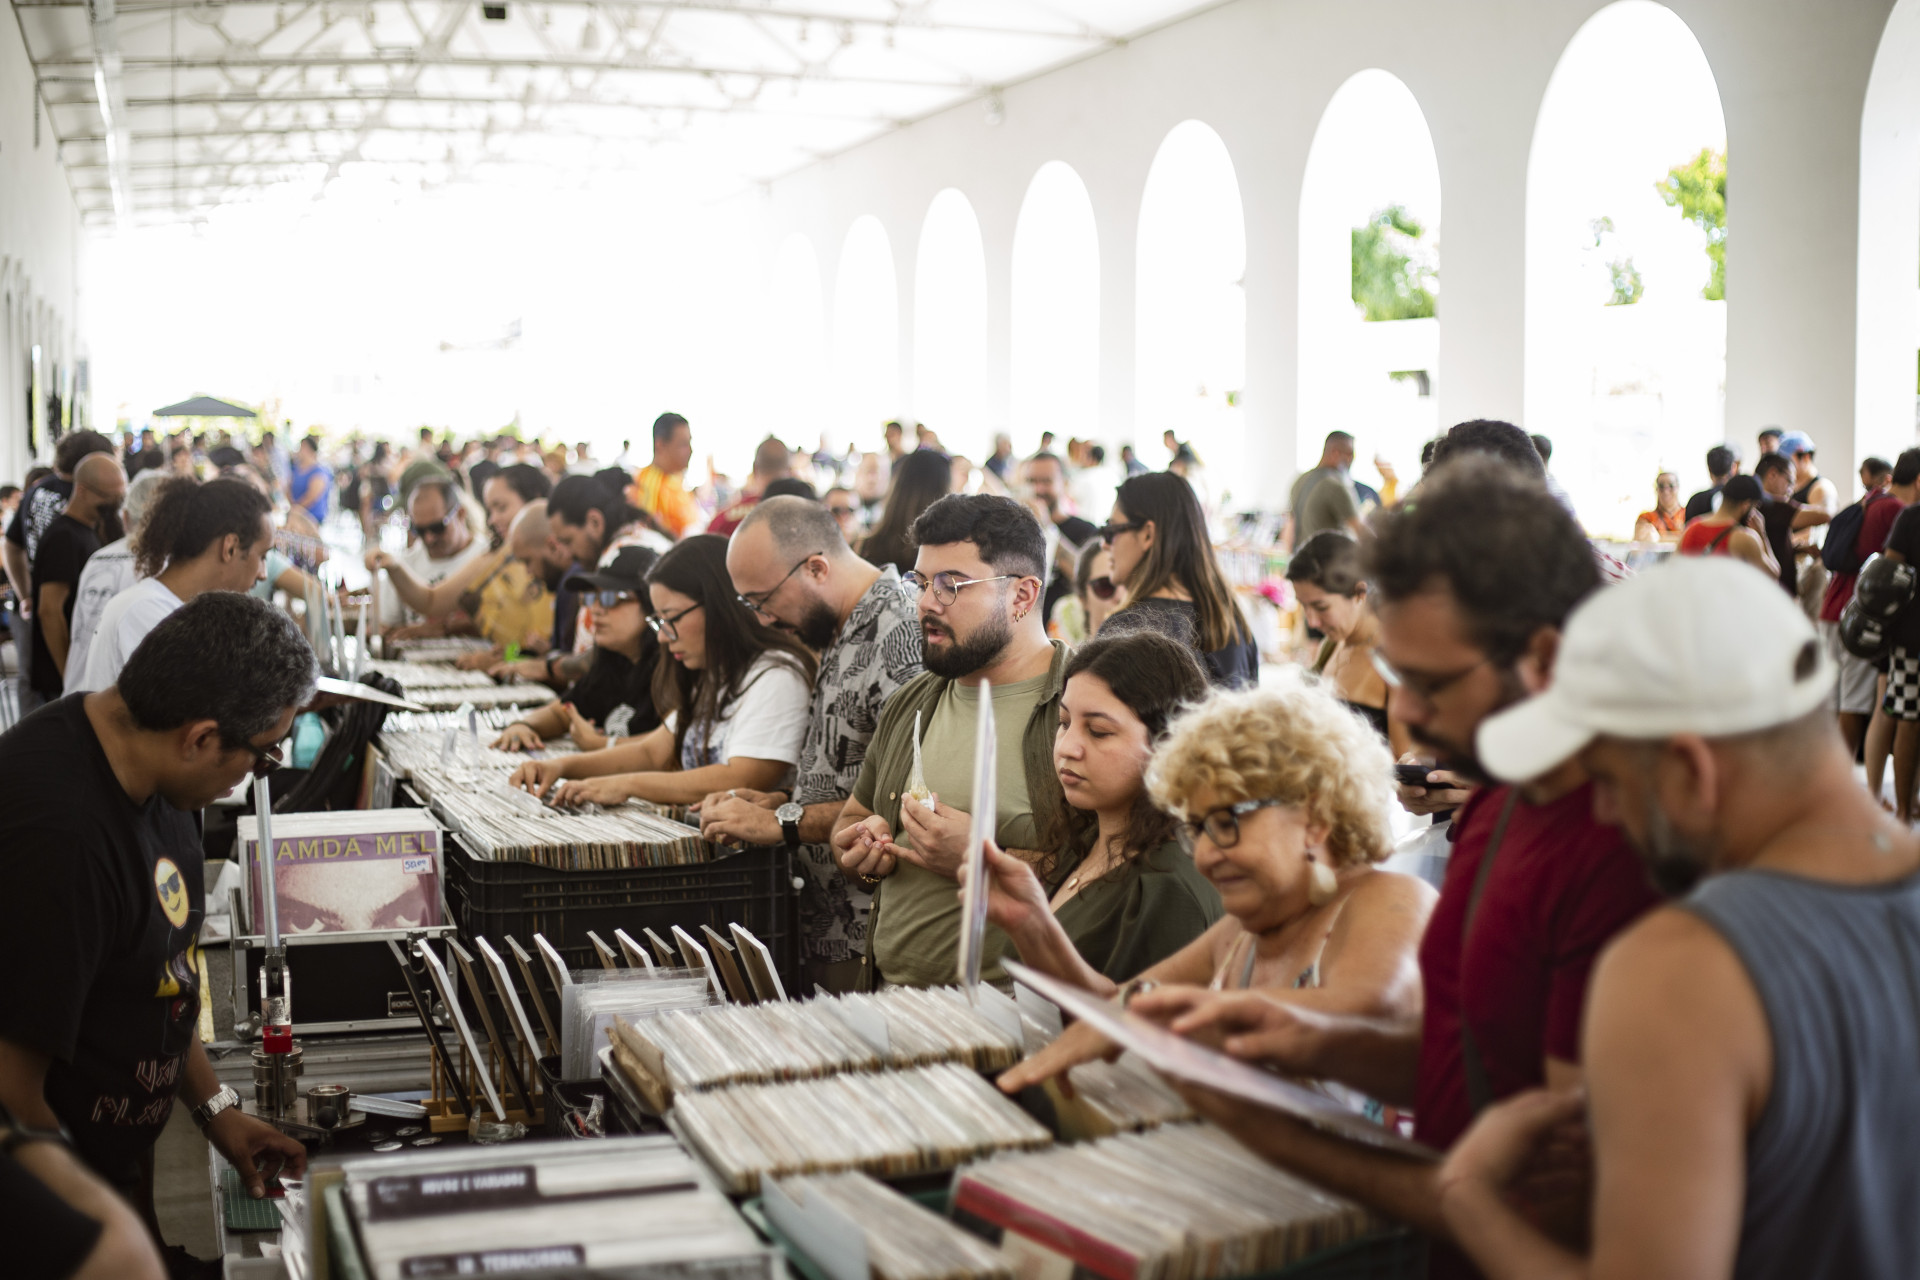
x,y
1426,687
1103,587
757,600
265,761
1221,826
611,599
1114,528
945,586
840,513
435,529
668,628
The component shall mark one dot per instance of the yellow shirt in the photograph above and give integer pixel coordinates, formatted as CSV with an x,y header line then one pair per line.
x,y
662,497
516,608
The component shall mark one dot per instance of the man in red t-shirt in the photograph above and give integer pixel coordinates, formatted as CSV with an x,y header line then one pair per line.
x,y
771,462
1858,690
1471,585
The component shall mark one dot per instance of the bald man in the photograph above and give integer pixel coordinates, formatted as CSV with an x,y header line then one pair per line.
x,y
91,519
791,565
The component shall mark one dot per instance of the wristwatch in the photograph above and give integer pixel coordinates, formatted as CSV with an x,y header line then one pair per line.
x,y
204,1113
789,815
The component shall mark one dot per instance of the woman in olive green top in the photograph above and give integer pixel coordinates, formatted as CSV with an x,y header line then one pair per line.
x,y
1124,894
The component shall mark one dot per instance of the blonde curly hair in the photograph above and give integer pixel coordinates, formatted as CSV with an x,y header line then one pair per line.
x,y
1292,742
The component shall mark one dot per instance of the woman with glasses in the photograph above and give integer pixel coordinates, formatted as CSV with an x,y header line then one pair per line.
x,y
1157,536
614,699
1325,573
1668,519
734,698
1077,618
1126,895
1281,794
920,479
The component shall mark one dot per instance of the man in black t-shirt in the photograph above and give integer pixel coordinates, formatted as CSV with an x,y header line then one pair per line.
x,y
1045,478
1902,701
38,506
1783,515
1723,463
99,486
100,847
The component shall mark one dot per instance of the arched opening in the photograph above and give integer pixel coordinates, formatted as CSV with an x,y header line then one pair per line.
x,y
1626,329
1887,336
1369,278
1054,378
950,327
795,342
866,332
1190,334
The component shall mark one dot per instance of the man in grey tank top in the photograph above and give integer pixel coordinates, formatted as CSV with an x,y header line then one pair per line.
x,y
1750,1048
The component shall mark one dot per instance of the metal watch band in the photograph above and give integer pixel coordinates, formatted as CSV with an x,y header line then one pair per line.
x,y
204,1113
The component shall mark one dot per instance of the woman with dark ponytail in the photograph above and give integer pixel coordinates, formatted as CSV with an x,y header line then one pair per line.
x,y
196,538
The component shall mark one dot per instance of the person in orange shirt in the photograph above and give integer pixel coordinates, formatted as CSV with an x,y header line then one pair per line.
x,y
656,487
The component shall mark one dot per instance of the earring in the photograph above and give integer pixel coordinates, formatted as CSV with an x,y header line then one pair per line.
x,y
1322,884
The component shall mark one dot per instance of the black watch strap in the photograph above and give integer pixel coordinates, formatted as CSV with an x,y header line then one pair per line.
x,y
15,1136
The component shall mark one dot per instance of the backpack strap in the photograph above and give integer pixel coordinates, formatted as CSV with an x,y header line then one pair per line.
x,y
1720,538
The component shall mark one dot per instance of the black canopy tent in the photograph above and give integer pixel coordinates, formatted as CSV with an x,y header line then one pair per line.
x,y
204,407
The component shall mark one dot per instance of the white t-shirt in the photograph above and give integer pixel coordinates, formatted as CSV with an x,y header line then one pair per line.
x,y
107,574
427,570
766,722
126,621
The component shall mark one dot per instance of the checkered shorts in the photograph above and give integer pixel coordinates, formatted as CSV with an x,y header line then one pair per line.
x,y
1903,684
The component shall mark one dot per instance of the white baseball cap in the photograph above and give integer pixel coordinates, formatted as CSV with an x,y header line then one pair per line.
x,y
1705,645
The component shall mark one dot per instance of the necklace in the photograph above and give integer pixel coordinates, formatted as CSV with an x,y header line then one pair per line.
x,y
1085,872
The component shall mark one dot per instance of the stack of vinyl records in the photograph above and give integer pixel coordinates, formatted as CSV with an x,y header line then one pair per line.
x,y
496,823
408,753
889,1124
618,1207
1184,1201
437,649
441,698
1118,1097
905,1240
590,1003
827,1035
421,675
438,722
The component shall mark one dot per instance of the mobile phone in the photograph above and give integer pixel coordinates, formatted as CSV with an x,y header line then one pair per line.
x,y
1411,775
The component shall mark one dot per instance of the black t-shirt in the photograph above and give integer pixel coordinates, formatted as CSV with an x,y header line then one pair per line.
x,y
47,1238
1778,514
1237,666
65,548
1702,503
38,506
614,682
1904,537
1073,531
101,947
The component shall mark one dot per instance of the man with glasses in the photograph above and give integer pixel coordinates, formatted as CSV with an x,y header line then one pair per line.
x,y
100,844
441,546
791,565
1472,584
89,521
978,580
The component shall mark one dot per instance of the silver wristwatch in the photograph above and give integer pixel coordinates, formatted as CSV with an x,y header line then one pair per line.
x,y
204,1113
788,815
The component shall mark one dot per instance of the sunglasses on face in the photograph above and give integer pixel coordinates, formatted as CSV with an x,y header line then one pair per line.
x,y
433,530
1108,532
1220,826
1103,587
611,599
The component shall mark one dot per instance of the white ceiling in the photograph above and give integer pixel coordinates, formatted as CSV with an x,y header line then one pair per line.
x,y
244,100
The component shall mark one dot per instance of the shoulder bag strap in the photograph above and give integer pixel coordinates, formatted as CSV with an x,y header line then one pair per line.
x,y
1721,537
1479,1091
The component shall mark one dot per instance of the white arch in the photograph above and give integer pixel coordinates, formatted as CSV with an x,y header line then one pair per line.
x,y
1623,391
866,331
1887,332
950,327
795,340
1372,149
1054,377
1190,328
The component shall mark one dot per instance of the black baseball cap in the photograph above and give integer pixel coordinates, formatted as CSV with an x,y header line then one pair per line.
x,y
626,572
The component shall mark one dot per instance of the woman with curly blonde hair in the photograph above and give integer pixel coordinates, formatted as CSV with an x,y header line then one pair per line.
x,y
1281,795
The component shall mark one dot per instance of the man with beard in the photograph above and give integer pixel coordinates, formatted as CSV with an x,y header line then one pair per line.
x,y
1472,584
791,565
1750,1047
1045,477
978,578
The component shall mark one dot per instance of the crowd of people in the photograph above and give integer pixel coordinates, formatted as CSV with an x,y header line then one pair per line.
x,y
1652,1014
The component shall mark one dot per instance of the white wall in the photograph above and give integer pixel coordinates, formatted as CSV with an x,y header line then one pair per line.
x,y
39,257
1792,78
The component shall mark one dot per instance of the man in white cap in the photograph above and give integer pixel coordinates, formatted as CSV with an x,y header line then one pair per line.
x,y
1750,1047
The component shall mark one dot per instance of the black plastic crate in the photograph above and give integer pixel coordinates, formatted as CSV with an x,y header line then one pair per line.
x,y
753,888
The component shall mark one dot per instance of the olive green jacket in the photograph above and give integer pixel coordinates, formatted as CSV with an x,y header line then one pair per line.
x,y
883,778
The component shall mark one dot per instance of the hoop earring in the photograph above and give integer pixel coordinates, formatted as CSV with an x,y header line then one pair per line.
x,y
1322,885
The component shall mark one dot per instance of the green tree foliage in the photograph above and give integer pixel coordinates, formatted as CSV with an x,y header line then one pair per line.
x,y
1391,278
1698,189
